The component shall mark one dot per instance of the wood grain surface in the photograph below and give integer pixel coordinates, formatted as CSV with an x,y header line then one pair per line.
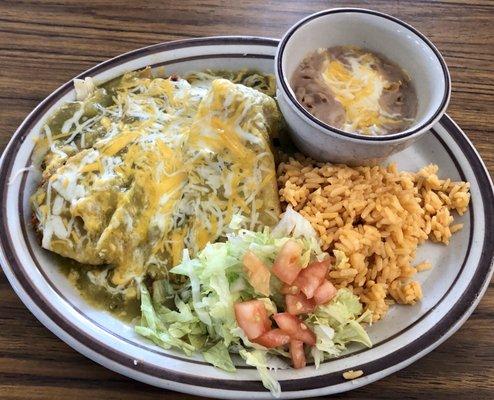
x,y
45,43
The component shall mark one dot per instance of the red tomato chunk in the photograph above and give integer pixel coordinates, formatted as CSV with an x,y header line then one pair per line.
x,y
287,289
252,318
295,328
324,293
299,304
273,338
311,277
287,264
257,273
297,354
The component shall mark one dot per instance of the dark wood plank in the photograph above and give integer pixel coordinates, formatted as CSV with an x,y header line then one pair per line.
x,y
45,43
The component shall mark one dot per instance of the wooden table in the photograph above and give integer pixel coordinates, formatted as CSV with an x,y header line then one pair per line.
x,y
45,43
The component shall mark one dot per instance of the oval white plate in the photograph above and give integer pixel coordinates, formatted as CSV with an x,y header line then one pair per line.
x,y
452,288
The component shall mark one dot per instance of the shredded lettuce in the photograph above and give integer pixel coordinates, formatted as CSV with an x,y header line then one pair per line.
x,y
152,327
344,307
325,340
257,359
200,317
339,323
352,331
294,225
219,356
317,356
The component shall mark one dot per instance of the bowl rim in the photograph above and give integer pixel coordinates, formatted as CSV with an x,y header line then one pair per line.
x,y
285,86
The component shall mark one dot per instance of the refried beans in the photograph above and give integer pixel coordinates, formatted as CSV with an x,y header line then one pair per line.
x,y
355,90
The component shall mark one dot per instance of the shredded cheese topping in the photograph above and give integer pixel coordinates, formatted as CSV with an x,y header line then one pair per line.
x,y
358,88
139,171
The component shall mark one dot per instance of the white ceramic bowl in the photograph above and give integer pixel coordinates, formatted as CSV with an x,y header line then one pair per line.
x,y
378,32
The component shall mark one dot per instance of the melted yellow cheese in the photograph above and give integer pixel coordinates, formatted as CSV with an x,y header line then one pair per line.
x,y
167,168
120,142
177,247
95,166
358,88
222,138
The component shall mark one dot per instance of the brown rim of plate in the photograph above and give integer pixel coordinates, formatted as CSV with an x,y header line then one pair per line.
x,y
442,328
325,126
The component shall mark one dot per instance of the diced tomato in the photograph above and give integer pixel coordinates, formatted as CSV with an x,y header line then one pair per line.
x,y
287,264
252,318
324,293
299,304
311,277
297,354
290,289
295,328
257,273
273,338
